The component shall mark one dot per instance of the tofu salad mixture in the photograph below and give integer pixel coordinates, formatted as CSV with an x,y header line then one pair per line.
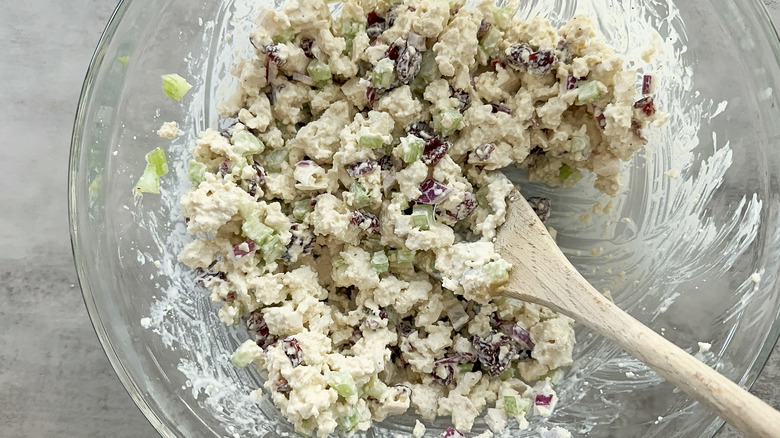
x,y
345,210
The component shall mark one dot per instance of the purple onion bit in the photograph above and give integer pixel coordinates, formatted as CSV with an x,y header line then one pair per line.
x,y
282,386
543,400
362,167
435,149
256,326
376,25
302,78
238,252
464,208
365,221
272,51
646,104
495,352
433,192
647,84
514,331
451,432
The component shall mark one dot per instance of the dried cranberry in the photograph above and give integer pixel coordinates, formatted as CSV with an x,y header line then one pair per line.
x,y
256,325
501,108
484,27
518,334
443,374
251,187
306,46
636,128
356,335
408,64
451,433
421,130
224,168
647,84
373,94
366,221
260,173
541,207
301,244
518,55
543,400
496,63
483,152
376,25
495,352
282,386
433,191
464,209
273,53
602,121
362,167
382,313
292,349
457,358
435,149
571,82
394,51
542,62
238,252
464,98
646,104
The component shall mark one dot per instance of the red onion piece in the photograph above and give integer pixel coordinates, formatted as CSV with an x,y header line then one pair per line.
x,y
433,192
483,152
646,104
647,84
239,252
305,163
452,433
464,209
362,167
388,181
543,400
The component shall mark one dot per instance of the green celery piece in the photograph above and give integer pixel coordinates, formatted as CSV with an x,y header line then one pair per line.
x,y
379,262
482,199
338,262
579,143
156,166
422,216
349,422
272,248
406,256
491,41
360,195
349,29
285,35
342,382
569,174
497,272
245,143
245,354
175,86
382,75
375,388
507,374
503,16
372,141
516,404
196,171
301,208
590,92
447,121
256,230
466,367
124,60
413,148
274,159
319,72
306,429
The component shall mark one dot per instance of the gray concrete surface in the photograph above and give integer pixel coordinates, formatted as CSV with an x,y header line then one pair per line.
x,y
55,380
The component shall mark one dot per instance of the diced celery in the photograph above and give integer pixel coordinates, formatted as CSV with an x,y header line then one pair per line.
x,y
491,41
422,216
406,256
301,208
497,272
272,248
349,422
156,166
349,29
429,72
413,148
319,72
482,199
508,373
274,159
124,60
382,76
466,367
590,92
95,187
175,86
196,171
569,174
579,143
338,262
306,428
447,121
372,141
285,35
374,242
503,16
342,382
360,197
245,143
379,262
516,404
256,230
375,388
245,354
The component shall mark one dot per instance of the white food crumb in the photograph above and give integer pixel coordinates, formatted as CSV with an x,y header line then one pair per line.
x,y
228,37
672,173
629,374
704,347
485,434
555,432
116,152
146,323
157,263
756,277
168,130
626,220
419,429
596,251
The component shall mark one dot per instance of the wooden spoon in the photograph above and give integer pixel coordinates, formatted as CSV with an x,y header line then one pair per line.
x,y
541,274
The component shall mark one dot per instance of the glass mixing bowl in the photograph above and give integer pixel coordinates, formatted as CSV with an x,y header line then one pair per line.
x,y
689,247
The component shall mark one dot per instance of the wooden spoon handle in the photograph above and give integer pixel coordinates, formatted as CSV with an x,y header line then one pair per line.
x,y
543,275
